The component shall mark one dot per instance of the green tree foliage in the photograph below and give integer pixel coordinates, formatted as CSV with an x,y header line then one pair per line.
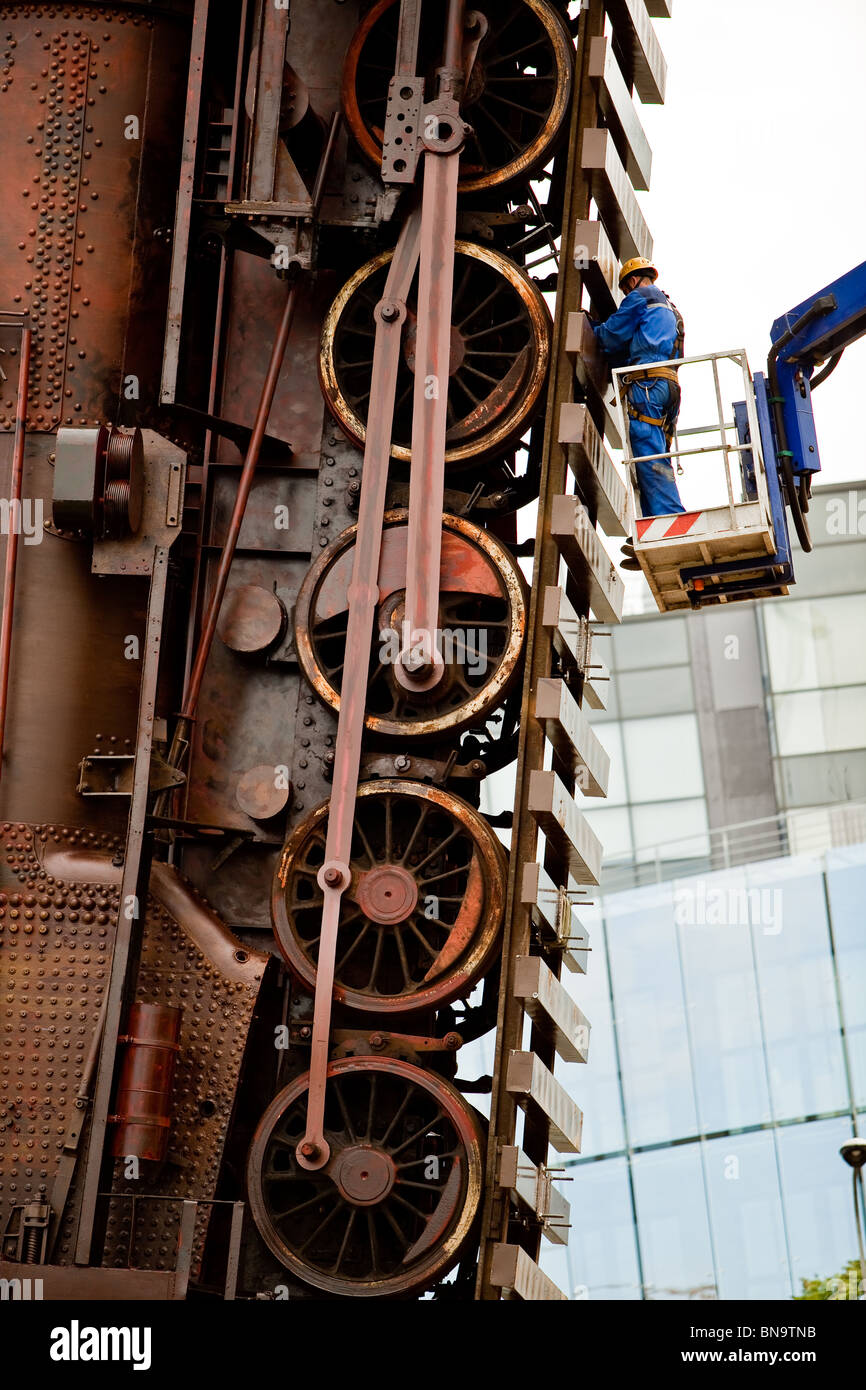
x,y
846,1285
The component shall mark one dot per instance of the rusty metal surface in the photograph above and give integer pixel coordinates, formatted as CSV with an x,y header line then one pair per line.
x,y
402,950
190,961
67,624
282,811
506,411
57,938
374,47
16,483
475,570
143,1103
377,1150
75,228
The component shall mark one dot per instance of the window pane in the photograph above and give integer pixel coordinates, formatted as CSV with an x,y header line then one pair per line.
x,y
612,827
663,758
650,1014
798,992
816,642
677,829
816,1190
595,1087
746,1215
672,1219
601,1259
722,997
659,642
665,691
610,738
846,885
820,721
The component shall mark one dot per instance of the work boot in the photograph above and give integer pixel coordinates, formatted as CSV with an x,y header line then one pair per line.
x,y
631,562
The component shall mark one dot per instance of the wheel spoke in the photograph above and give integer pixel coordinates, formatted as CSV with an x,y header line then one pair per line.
x,y
355,944
424,812
438,849
353,1212
321,1226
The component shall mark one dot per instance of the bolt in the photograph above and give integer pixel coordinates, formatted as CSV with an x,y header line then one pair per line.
x,y
389,311
477,767
402,763
377,1040
308,1149
306,1033
452,1041
332,876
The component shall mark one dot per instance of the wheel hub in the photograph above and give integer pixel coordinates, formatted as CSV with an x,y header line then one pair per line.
x,y
387,894
364,1175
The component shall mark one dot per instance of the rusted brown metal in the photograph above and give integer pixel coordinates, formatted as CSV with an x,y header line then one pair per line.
x,y
16,484
420,923
422,670
375,45
475,569
481,430
334,876
377,1155
143,1102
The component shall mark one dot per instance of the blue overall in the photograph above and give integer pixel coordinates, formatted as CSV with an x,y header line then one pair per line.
x,y
644,330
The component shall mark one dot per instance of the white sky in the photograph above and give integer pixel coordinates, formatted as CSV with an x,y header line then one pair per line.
x,y
758,188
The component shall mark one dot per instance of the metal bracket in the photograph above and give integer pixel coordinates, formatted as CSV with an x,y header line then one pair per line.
x,y
111,774
402,139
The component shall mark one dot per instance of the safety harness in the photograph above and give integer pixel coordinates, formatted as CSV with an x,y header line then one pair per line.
x,y
667,422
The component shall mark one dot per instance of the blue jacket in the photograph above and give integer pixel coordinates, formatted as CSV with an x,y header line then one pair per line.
x,y
643,329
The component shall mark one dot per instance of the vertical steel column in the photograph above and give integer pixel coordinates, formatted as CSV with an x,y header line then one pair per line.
x,y
539,654
16,487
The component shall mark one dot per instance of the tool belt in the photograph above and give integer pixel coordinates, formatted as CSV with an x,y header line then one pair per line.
x,y
668,420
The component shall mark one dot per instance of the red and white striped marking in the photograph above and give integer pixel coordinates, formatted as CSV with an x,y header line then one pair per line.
x,y
665,528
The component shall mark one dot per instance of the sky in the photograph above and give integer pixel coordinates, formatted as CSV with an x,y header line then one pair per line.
x,y
758,195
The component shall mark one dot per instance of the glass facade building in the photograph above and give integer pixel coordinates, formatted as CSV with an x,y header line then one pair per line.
x,y
727,1063
727,979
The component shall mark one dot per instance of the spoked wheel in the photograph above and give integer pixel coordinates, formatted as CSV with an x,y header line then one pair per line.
x,y
482,610
500,348
420,921
516,100
390,1212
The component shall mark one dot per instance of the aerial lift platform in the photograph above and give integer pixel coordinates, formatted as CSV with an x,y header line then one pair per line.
x,y
742,549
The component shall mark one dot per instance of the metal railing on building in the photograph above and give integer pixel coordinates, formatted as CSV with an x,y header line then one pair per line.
x,y
808,831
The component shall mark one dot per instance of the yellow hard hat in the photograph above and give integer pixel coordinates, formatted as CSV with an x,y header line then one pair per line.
x,y
638,263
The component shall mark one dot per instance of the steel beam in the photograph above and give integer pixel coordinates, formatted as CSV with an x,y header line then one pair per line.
x,y
612,191
603,490
594,576
571,735
567,831
643,62
534,1085
615,103
517,1274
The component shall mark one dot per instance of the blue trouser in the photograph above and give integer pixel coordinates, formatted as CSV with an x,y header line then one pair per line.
x,y
658,490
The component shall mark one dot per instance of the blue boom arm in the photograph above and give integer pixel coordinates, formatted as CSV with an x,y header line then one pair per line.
x,y
816,331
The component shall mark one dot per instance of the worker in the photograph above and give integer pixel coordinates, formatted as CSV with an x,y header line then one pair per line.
x,y
647,328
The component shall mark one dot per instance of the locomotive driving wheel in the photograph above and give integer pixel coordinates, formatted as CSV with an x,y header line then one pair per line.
x,y
420,920
516,99
390,1212
482,620
500,349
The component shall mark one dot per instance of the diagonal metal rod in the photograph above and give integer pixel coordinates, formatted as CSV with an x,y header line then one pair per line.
x,y
15,491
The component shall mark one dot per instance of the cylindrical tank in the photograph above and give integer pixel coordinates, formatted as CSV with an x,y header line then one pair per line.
x,y
143,1107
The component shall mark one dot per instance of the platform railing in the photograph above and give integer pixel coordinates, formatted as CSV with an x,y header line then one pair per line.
x,y
720,426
